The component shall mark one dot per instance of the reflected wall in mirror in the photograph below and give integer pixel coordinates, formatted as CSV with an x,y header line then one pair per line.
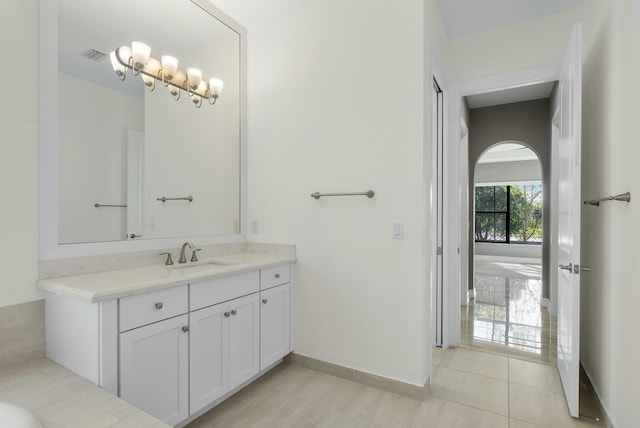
x,y
121,144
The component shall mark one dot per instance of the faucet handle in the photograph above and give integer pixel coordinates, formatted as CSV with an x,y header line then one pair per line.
x,y
194,255
169,261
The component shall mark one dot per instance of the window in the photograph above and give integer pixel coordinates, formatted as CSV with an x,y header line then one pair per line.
x,y
509,214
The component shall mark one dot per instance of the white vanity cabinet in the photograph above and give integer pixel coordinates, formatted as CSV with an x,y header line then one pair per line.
x,y
178,351
225,337
154,349
275,314
154,368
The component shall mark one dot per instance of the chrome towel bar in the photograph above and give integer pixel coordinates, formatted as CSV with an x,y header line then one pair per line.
x,y
165,199
369,194
624,197
97,205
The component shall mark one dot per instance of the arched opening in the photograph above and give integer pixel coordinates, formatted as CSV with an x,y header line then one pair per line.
x,y
506,306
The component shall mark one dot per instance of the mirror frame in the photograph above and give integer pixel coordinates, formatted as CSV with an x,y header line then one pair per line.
x,y
48,149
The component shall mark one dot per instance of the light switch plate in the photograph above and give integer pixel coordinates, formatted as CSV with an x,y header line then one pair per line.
x,y
398,230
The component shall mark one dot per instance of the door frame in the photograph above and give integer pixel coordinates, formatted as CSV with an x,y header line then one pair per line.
x,y
453,179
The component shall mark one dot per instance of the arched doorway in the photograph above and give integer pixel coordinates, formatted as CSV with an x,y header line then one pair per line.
x,y
505,307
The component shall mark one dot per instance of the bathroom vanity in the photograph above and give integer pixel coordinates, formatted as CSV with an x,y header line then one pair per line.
x,y
173,340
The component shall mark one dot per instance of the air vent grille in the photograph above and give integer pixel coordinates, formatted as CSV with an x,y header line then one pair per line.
x,y
94,55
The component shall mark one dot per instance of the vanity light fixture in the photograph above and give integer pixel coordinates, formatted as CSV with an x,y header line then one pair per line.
x,y
138,58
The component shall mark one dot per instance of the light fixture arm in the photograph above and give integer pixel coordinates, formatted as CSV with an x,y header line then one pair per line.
x,y
178,82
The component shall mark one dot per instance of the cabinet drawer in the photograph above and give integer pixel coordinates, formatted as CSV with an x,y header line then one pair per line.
x,y
212,292
147,308
277,275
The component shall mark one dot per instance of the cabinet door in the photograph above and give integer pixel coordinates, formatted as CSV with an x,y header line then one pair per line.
x,y
208,356
154,368
274,325
244,339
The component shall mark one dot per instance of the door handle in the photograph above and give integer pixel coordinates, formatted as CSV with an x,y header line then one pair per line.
x,y
568,267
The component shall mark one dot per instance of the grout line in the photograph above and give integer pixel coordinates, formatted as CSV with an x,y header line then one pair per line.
x,y
509,392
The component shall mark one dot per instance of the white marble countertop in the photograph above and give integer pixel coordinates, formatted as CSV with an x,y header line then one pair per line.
x,y
100,286
60,398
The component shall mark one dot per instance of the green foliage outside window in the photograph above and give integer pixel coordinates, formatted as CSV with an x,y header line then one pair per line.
x,y
509,213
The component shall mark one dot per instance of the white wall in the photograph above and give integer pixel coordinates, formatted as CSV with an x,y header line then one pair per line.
x,y
522,251
337,103
93,159
508,172
525,45
610,319
19,159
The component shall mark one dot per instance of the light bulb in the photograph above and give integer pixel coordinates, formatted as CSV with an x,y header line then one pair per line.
x,y
117,66
149,81
215,86
141,54
169,66
194,77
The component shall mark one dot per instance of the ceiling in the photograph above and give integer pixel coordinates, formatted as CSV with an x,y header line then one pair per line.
x,y
466,17
507,152
513,95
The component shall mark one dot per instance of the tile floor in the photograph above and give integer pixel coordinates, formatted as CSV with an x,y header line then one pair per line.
x,y
502,376
469,389
505,316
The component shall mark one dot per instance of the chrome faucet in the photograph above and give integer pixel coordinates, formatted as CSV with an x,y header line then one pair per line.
x,y
183,258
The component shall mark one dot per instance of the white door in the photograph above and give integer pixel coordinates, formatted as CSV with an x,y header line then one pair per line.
x,y
154,368
135,184
274,325
208,355
244,339
569,206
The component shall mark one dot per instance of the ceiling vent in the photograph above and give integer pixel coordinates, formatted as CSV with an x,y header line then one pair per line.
x,y
94,55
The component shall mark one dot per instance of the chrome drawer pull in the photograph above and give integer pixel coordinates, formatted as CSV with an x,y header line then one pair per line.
x,y
158,305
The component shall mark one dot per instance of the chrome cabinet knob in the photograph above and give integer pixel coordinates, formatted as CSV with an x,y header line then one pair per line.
x,y
233,312
226,314
277,275
158,305
264,301
185,328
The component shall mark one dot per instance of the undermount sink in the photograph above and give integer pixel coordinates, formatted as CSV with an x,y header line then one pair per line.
x,y
199,267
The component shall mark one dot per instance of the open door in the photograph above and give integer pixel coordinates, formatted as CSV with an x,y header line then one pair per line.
x,y
569,206
135,183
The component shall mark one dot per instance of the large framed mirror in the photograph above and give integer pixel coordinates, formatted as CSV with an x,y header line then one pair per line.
x,y
125,168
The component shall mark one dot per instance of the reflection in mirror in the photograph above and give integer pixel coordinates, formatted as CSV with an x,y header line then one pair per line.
x,y
123,147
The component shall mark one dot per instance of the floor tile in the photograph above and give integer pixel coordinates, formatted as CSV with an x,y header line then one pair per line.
x,y
539,407
536,375
515,423
436,412
481,363
506,312
472,390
